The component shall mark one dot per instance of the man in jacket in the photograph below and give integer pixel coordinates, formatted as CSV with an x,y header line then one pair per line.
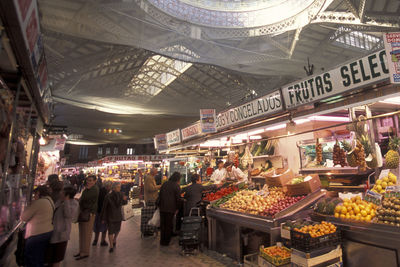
x,y
169,202
194,192
150,187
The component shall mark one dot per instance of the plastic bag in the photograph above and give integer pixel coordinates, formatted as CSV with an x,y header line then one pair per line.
x,y
155,220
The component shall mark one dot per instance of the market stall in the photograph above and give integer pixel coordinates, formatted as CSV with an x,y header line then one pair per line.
x,y
343,140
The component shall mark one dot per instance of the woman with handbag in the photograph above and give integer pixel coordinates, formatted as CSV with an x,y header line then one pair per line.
x,y
112,213
66,209
39,227
88,208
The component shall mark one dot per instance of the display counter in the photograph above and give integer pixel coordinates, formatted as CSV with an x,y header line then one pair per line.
x,y
367,244
227,229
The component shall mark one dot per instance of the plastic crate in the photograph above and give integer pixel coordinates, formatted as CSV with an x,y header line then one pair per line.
x,y
306,243
330,258
250,260
277,261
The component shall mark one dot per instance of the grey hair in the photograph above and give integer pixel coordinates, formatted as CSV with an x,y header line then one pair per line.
x,y
114,185
107,184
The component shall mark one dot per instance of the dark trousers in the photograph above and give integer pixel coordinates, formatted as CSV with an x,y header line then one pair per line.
x,y
166,225
35,249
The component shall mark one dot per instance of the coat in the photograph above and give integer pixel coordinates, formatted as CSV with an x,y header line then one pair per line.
x,y
64,213
111,211
88,200
39,217
193,195
170,197
102,195
150,188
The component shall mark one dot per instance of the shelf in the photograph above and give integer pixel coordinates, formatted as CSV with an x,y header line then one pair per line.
x,y
266,157
335,171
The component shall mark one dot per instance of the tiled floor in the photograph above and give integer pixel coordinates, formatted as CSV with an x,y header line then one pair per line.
x,y
132,250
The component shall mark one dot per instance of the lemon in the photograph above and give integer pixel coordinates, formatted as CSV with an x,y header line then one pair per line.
x,y
372,214
385,179
363,213
357,210
353,217
342,216
379,188
384,184
338,208
390,184
368,218
378,182
348,216
352,212
346,200
344,210
337,215
368,210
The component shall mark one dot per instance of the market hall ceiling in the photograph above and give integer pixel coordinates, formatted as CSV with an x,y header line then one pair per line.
x,y
117,57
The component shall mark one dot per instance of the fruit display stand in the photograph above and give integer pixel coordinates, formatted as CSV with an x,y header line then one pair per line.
x,y
367,244
225,227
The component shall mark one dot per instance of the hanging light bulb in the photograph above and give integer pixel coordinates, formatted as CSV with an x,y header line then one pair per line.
x,y
42,141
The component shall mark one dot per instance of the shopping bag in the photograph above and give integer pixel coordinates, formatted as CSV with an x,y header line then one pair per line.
x,y
127,212
155,220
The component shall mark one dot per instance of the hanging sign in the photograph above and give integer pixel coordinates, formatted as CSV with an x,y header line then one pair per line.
x,y
136,158
59,143
392,48
263,106
207,120
357,73
191,131
174,137
160,142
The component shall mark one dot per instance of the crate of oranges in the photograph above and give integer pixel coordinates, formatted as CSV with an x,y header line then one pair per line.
x,y
277,255
356,209
315,236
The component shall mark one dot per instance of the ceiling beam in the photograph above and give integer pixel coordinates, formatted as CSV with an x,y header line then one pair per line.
x,y
361,10
352,8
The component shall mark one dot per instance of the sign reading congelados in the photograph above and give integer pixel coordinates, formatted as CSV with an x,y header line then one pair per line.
x,y
369,69
267,104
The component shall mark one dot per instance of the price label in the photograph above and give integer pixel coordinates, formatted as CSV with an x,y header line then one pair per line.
x,y
384,173
392,191
373,197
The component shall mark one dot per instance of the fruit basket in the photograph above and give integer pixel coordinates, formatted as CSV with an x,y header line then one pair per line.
x,y
307,242
278,256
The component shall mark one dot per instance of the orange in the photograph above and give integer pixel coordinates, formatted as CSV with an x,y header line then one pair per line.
x,y
364,213
344,210
342,216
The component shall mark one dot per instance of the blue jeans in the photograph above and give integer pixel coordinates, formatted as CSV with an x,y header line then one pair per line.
x,y
35,249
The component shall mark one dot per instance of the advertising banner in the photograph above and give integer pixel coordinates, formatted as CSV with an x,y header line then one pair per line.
x,y
59,144
367,70
392,48
160,142
191,131
174,137
207,120
263,106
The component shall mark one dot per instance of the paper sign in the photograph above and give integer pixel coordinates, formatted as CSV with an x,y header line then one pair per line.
x,y
392,48
191,131
59,144
174,137
208,121
373,197
384,173
160,142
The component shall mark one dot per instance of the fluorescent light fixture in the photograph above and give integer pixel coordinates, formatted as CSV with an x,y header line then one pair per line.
x,y
240,136
276,127
255,132
392,100
329,118
301,121
255,137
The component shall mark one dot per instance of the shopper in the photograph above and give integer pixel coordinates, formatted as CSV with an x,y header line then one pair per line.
x,y
194,192
66,209
39,227
112,213
169,202
99,226
88,209
56,187
219,175
150,187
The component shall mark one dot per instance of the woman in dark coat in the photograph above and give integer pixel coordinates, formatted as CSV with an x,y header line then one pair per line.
x,y
194,193
169,203
112,214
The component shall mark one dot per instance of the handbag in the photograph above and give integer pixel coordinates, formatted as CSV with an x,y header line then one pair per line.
x,y
127,212
155,220
84,216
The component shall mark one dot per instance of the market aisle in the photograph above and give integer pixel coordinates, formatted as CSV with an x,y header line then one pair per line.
x,y
134,251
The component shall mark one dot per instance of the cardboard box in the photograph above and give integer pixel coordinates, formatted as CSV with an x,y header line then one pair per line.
x,y
281,177
304,188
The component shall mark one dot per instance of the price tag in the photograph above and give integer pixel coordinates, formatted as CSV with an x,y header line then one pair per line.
x,y
384,173
373,197
392,191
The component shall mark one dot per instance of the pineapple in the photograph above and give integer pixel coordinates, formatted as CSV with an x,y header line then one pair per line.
x,y
351,157
392,156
